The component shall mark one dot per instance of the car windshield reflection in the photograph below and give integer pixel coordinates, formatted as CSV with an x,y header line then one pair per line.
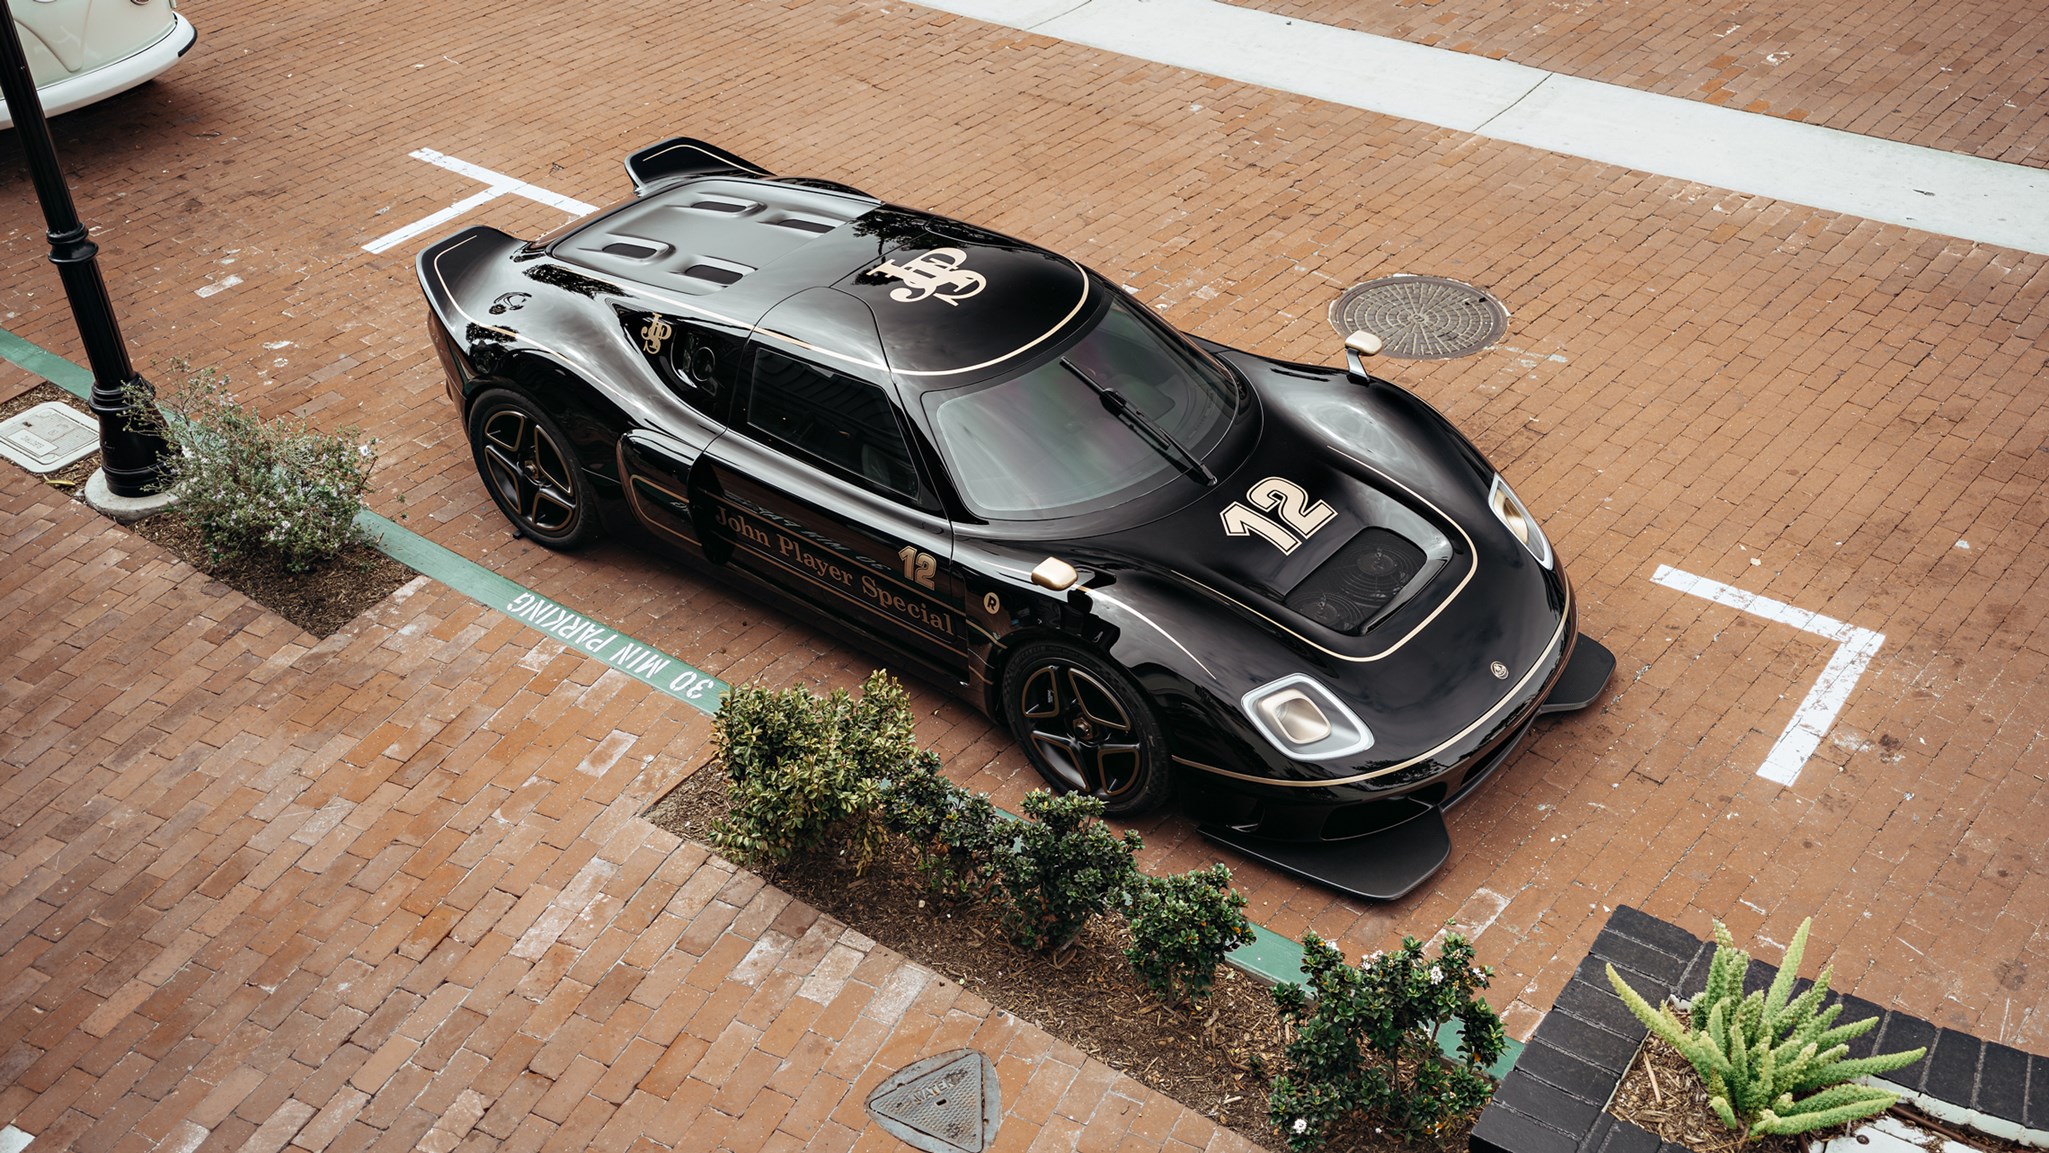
x,y
1043,443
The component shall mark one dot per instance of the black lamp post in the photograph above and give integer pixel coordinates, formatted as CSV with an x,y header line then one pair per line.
x,y
133,459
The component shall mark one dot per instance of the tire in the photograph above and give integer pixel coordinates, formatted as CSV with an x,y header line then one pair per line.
x,y
1086,727
531,471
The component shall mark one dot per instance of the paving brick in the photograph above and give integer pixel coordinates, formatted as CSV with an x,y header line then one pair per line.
x,y
1845,401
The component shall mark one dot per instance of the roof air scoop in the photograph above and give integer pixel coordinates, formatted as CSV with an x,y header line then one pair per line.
x,y
715,271
635,249
725,206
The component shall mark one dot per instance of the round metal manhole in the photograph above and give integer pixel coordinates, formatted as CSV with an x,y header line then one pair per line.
x,y
1421,317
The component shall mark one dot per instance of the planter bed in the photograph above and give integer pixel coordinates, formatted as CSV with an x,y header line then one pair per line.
x,y
1555,1099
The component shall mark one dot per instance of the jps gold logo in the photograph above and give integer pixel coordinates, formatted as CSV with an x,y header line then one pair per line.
x,y
655,334
929,275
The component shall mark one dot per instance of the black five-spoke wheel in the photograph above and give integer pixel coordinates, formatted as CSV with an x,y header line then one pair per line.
x,y
1085,727
525,459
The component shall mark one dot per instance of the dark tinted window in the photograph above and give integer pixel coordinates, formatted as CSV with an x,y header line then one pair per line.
x,y
845,424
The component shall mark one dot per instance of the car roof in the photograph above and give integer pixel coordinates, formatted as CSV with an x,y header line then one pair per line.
x,y
951,302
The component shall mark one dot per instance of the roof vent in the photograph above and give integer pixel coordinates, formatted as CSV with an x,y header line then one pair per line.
x,y
634,249
721,204
802,225
714,273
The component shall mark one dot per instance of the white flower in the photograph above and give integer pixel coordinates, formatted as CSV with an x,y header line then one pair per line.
x,y
1301,1124
1436,975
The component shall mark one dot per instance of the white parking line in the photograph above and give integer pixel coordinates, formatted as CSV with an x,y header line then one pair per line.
x,y
496,184
1835,171
1854,649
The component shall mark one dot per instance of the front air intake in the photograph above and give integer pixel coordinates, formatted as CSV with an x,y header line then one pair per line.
x,y
1351,589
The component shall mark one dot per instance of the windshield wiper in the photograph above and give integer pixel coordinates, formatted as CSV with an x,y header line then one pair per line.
x,y
1147,431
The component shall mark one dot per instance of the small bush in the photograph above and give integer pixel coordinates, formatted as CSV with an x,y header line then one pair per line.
x,y
1365,1042
252,487
1181,927
954,832
1756,1053
1058,868
804,770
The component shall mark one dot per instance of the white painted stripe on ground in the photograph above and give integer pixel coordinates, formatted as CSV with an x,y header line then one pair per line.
x,y
221,285
1824,168
398,236
496,184
482,175
14,1140
1855,647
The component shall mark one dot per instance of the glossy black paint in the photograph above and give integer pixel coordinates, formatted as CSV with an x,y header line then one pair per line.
x,y
635,330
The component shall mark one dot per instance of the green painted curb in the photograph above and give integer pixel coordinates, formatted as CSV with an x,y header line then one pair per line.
x,y
636,658
46,364
1278,960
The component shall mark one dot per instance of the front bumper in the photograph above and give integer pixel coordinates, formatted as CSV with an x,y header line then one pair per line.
x,y
1382,847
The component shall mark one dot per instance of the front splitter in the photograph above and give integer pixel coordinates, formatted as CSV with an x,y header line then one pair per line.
x,y
1383,866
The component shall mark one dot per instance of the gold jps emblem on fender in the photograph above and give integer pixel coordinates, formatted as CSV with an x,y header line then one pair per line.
x,y
655,334
937,273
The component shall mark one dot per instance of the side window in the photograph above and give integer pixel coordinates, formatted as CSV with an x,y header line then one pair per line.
x,y
845,424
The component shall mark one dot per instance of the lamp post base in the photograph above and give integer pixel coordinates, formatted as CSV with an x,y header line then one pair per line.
x,y
105,501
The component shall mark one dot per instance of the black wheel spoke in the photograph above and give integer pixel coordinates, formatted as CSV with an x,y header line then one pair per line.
x,y
1079,731
535,480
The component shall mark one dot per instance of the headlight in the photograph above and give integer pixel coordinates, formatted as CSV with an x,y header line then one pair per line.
x,y
1502,500
1301,718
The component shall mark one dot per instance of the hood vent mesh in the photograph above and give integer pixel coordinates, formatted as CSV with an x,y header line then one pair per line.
x,y
1348,591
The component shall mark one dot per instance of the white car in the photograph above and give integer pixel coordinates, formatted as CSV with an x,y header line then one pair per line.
x,y
80,51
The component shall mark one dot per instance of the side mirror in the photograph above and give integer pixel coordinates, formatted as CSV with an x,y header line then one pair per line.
x,y
1359,345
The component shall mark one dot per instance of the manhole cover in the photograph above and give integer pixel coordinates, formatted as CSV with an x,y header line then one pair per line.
x,y
48,437
1421,317
943,1104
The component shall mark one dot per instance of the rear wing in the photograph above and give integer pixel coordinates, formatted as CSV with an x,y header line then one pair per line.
x,y
681,156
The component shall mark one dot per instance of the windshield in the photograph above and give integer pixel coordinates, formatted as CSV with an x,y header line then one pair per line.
x,y
1044,444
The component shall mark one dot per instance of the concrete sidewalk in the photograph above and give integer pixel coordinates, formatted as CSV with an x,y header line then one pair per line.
x,y
389,891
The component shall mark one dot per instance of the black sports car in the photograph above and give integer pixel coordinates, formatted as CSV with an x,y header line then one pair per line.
x,y
1295,590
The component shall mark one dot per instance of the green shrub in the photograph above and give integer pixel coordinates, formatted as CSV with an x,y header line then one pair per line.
x,y
1365,1042
1059,867
804,770
954,832
1181,927
1755,1054
252,487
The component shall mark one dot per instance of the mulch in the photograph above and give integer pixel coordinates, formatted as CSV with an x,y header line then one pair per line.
x,y
320,601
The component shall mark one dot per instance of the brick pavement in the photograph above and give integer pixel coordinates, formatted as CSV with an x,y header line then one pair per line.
x,y
1691,378
1967,78
390,891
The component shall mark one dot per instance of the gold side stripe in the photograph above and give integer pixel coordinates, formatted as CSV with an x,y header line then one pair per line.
x,y
873,610
1564,618
633,498
878,573
937,603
